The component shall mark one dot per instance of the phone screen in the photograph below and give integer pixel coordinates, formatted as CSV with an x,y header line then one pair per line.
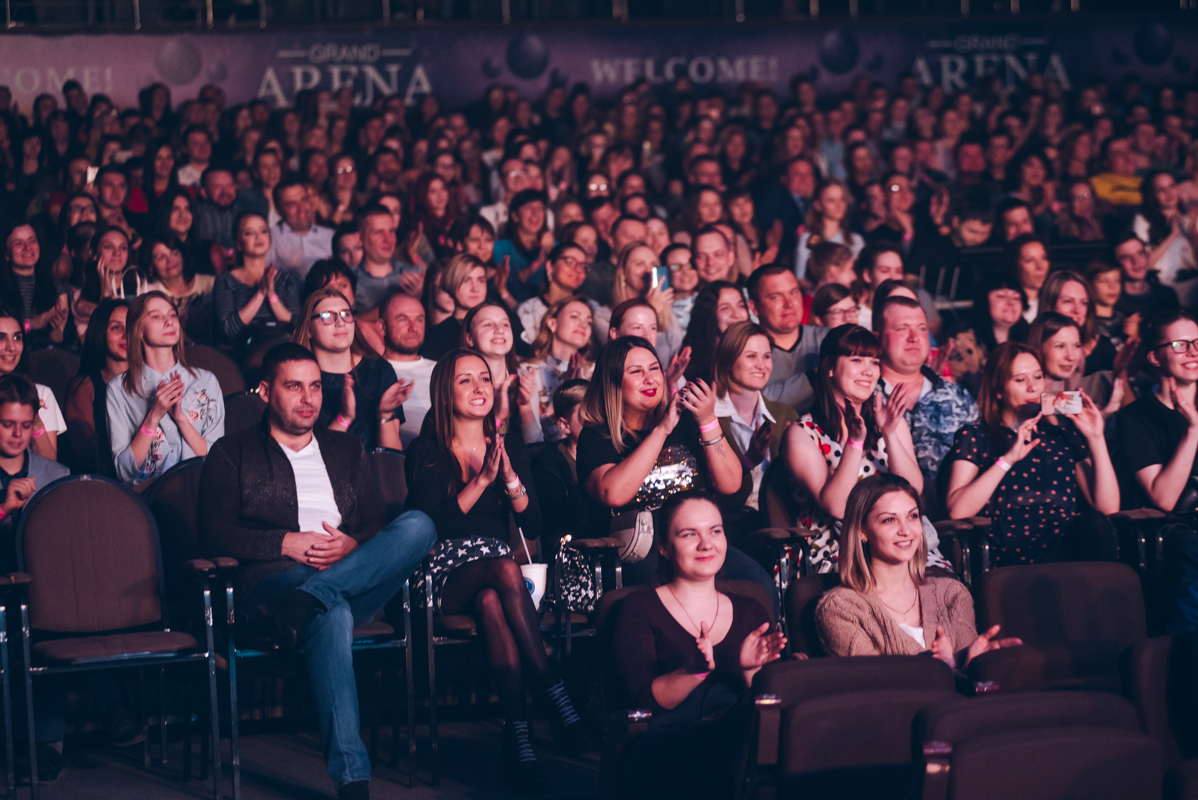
x,y
661,277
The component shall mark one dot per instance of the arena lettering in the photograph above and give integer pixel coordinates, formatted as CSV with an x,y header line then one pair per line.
x,y
342,53
957,72
701,69
368,81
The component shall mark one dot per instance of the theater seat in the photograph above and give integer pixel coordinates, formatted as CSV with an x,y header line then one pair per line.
x,y
1074,619
1159,678
117,644
802,598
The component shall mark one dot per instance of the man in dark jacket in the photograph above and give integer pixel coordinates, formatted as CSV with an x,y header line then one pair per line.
x,y
287,499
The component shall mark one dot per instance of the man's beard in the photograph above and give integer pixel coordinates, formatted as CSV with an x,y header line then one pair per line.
x,y
292,427
403,350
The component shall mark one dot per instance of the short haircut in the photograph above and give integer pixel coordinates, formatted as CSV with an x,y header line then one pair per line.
x,y
868,258
1008,205
560,249
18,389
323,272
894,301
707,230
524,197
760,274
568,397
195,128
112,169
288,182
280,354
826,255
212,171
367,211
624,219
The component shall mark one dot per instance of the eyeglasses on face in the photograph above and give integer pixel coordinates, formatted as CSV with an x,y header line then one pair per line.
x,y
345,170
597,187
687,265
1180,346
331,317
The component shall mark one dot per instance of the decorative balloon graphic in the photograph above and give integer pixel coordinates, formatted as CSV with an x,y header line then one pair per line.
x,y
527,56
838,51
179,61
1153,43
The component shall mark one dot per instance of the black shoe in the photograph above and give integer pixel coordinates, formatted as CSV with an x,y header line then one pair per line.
x,y
122,727
521,772
286,621
358,790
49,763
569,732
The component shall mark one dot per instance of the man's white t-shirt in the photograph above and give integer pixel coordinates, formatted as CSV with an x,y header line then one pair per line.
x,y
420,372
313,489
50,413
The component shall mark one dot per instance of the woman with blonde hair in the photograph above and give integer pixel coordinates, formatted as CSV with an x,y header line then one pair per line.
x,y
160,411
634,279
559,354
886,604
361,394
465,280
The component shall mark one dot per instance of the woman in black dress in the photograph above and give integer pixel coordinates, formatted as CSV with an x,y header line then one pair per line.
x,y
470,481
360,390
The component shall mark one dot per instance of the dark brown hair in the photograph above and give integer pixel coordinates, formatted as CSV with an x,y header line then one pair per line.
x,y
851,340
995,375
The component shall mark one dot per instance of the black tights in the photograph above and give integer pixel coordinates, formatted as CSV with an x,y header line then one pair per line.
x,y
492,590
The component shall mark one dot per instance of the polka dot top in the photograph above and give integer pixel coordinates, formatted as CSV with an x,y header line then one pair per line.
x,y
1037,499
824,548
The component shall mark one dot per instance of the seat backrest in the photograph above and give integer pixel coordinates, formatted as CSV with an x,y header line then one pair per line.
x,y
243,410
173,501
753,591
793,681
390,480
54,368
1064,602
607,612
801,599
1057,764
960,720
775,490
91,545
228,375
1159,679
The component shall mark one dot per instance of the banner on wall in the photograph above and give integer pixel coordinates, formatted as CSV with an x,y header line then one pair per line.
x,y
458,64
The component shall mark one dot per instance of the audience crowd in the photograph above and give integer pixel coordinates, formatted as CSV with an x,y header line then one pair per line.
x,y
638,317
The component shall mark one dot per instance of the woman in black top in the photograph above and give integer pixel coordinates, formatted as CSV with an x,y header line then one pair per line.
x,y
640,446
465,280
689,652
469,480
998,310
361,393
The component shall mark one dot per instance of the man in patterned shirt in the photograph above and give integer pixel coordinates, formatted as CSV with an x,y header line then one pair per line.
x,y
943,407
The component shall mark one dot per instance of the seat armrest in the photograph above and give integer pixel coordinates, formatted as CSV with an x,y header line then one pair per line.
x,y
225,565
769,727
592,545
937,758
201,566
15,579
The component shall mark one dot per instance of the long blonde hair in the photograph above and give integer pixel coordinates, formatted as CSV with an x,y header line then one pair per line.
x,y
622,290
855,570
603,405
543,344
135,336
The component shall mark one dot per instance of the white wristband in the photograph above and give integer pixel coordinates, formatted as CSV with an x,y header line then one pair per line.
x,y
1003,465
512,486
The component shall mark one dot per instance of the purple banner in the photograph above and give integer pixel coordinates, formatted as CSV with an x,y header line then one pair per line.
x,y
457,64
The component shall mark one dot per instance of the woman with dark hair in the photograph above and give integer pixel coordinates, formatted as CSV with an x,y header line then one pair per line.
x,y
1058,338
254,296
998,308
49,424
27,288
718,305
833,305
1025,258
158,178
886,604
102,357
33,173
331,272
472,481
688,652
361,393
849,434
1069,293
160,411
1032,503
433,214
465,280
487,329
175,215
1030,178
106,274
171,272
1162,226
527,243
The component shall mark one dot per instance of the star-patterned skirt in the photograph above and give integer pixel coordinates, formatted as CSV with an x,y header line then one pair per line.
x,y
450,554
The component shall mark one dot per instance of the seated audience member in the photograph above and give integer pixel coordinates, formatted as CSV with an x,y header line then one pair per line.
x,y
830,263
171,274
941,256
714,254
560,353
776,300
633,282
565,272
49,424
527,243
555,472
22,472
1080,219
998,312
1107,282
487,330
254,296
297,242
361,394
833,305
1119,185
886,604
1058,339
876,265
286,498
688,652
27,285
827,221
941,407
684,280
471,480
101,358
849,434
718,306
1025,471
347,245
1014,220
106,273
380,272
1067,292
753,425
465,280
1143,293
401,325
160,411
640,445
329,272
1026,259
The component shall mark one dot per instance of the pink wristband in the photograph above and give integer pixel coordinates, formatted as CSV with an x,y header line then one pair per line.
x,y
711,426
39,432
274,298
701,675
1003,464
28,325
149,431
3,513
343,422
856,445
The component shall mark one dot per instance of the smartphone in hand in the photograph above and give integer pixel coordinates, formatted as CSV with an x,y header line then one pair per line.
x,y
660,277
1061,402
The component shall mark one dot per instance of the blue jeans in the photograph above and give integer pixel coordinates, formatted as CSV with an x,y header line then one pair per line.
x,y
353,590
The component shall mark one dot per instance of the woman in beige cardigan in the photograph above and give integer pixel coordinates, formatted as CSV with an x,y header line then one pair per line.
x,y
885,604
